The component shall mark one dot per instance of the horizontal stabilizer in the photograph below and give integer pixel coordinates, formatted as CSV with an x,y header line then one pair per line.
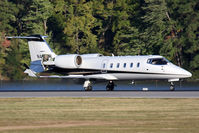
x,y
30,38
22,37
30,73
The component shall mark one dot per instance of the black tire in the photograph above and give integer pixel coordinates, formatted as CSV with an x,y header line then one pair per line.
x,y
112,88
172,87
89,88
109,88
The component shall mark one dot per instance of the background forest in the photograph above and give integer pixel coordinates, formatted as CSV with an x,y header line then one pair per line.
x,y
123,27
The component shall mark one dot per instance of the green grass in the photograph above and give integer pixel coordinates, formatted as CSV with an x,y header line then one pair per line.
x,y
93,115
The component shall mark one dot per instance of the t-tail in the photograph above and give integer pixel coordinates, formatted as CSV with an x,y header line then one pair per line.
x,y
39,52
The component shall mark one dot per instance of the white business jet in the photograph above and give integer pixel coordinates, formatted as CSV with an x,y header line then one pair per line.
x,y
46,64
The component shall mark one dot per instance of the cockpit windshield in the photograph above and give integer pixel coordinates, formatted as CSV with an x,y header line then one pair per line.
x,y
157,61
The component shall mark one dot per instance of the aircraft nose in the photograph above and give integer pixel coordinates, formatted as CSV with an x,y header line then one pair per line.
x,y
181,72
187,73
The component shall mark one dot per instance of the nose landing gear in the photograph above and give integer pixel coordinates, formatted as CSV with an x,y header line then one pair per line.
x,y
172,86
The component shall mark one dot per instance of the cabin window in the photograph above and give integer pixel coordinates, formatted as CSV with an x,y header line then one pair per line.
x,y
157,61
131,65
118,65
111,65
124,65
104,65
138,64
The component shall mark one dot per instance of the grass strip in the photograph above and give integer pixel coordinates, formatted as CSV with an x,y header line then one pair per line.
x,y
74,115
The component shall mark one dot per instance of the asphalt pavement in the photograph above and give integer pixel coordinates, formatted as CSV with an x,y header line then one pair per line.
x,y
111,94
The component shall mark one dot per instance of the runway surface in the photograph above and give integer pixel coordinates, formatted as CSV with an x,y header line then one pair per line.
x,y
113,94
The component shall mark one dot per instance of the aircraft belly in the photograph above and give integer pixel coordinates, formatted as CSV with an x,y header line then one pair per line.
x,y
132,76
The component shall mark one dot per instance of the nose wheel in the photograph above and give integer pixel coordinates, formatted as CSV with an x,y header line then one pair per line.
x,y
172,86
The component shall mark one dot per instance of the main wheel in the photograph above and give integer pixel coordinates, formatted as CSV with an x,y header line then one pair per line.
x,y
89,88
110,86
87,85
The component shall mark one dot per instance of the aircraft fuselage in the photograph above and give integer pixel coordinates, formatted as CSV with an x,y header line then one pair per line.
x,y
126,68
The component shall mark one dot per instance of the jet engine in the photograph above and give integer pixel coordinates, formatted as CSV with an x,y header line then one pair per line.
x,y
91,55
68,61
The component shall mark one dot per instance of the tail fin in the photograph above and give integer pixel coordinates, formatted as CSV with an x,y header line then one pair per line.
x,y
38,47
39,51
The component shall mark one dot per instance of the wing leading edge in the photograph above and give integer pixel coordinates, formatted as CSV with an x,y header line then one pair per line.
x,y
94,76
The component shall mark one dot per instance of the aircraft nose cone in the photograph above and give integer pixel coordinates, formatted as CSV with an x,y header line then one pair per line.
x,y
187,74
181,72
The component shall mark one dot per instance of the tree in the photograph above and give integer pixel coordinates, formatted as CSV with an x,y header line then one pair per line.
x,y
79,25
183,39
123,27
157,25
7,18
56,24
190,33
7,12
35,22
127,39
13,66
104,13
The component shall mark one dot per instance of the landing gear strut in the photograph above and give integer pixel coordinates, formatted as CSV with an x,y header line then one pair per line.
x,y
87,85
110,86
172,86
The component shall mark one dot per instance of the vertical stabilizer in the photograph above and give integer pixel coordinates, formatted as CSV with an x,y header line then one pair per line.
x,y
39,51
38,47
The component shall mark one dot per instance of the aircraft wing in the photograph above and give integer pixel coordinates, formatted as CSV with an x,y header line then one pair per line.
x,y
91,76
96,76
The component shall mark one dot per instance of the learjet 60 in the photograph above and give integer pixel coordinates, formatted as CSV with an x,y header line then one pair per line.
x,y
91,67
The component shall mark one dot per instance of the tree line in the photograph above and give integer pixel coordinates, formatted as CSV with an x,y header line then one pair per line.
x,y
123,27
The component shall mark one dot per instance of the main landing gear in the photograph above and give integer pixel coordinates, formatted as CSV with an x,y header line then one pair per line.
x,y
172,86
87,85
110,86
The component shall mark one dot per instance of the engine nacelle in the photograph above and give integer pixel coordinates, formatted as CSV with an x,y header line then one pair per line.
x,y
68,61
91,55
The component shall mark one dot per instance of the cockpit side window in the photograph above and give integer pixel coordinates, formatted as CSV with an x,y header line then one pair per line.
x,y
157,61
